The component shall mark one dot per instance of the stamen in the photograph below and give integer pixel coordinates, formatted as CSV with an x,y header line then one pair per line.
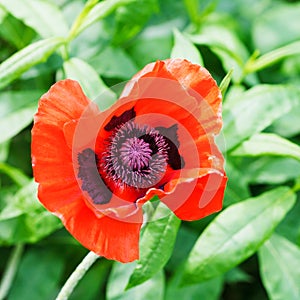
x,y
136,156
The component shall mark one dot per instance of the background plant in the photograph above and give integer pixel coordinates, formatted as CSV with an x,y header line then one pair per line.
x,y
251,250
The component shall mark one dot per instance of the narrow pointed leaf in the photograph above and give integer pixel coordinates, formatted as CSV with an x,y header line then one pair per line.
x,y
14,66
268,144
156,246
236,234
273,57
100,11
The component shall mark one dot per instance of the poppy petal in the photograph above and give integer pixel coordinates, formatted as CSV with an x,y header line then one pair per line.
x,y
192,78
52,145
112,238
202,197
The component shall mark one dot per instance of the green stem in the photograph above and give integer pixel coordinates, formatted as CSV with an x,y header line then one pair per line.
x,y
76,276
81,17
10,270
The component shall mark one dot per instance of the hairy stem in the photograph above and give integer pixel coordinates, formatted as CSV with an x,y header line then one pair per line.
x,y
76,276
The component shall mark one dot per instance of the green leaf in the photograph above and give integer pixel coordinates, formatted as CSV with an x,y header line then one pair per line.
x,y
3,14
283,125
131,18
15,33
279,262
4,150
153,289
236,234
38,276
98,12
271,170
237,185
290,226
272,57
15,174
15,122
24,59
224,43
192,7
156,245
225,82
256,109
114,62
24,219
273,24
236,275
41,15
154,43
267,144
16,111
207,290
90,82
184,48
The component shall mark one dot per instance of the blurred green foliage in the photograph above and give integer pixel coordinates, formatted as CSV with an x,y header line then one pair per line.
x,y
235,255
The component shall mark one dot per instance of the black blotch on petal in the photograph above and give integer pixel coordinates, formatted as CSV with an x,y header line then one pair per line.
x,y
175,160
122,119
170,133
92,182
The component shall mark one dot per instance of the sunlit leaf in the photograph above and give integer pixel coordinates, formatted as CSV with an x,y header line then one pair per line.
x,y
90,82
271,170
184,48
114,62
24,59
16,111
236,234
279,262
273,25
41,15
283,125
256,109
268,144
272,57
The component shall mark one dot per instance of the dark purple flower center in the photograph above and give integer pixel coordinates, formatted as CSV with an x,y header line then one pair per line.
x,y
136,156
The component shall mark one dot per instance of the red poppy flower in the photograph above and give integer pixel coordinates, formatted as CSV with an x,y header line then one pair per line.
x,y
96,169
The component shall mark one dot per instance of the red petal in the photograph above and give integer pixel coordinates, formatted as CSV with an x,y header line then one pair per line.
x,y
195,80
112,238
51,157
198,198
63,102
